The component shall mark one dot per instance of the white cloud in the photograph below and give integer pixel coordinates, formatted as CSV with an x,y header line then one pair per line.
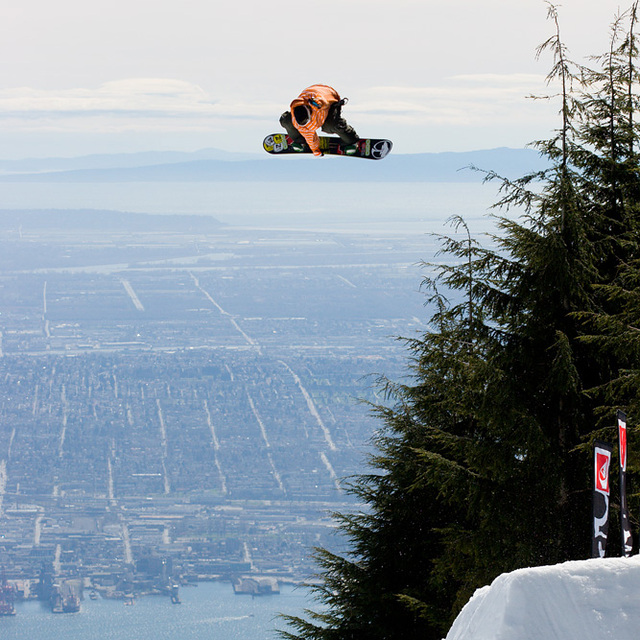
x,y
461,100
144,103
144,95
497,79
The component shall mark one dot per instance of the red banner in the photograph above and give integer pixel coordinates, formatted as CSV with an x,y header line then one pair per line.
x,y
601,491
625,525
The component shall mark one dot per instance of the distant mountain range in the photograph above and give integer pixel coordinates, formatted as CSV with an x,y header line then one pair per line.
x,y
211,165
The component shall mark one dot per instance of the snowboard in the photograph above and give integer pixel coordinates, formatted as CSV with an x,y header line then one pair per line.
x,y
371,148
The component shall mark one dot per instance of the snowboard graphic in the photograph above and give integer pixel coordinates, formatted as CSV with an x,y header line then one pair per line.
x,y
371,148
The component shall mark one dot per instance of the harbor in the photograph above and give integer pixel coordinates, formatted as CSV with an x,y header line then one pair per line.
x,y
67,595
210,610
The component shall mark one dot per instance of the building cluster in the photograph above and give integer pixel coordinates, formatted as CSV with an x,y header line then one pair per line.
x,y
185,406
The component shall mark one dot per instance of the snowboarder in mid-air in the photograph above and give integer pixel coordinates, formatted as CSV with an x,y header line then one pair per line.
x,y
318,107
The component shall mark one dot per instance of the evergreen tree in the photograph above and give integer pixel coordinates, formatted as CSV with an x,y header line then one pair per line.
x,y
613,180
483,463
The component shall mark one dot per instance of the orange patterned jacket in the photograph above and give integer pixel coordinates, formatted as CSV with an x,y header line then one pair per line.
x,y
318,98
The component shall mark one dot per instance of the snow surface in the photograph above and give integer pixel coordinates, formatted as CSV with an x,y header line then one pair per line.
x,y
581,600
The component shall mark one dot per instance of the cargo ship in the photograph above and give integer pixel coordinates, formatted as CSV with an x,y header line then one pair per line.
x,y
64,599
175,594
255,586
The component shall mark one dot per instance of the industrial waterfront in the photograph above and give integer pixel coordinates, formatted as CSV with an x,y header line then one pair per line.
x,y
209,611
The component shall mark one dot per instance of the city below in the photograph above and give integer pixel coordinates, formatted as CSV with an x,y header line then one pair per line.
x,y
184,401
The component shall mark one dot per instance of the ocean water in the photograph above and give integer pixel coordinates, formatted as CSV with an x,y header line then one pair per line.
x,y
210,611
360,207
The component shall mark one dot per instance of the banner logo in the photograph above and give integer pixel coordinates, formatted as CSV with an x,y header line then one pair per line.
x,y
603,460
622,433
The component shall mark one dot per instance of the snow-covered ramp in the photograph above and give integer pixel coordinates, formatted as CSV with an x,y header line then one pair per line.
x,y
582,600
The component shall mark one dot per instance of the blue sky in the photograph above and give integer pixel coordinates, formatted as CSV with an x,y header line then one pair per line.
x,y
130,75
